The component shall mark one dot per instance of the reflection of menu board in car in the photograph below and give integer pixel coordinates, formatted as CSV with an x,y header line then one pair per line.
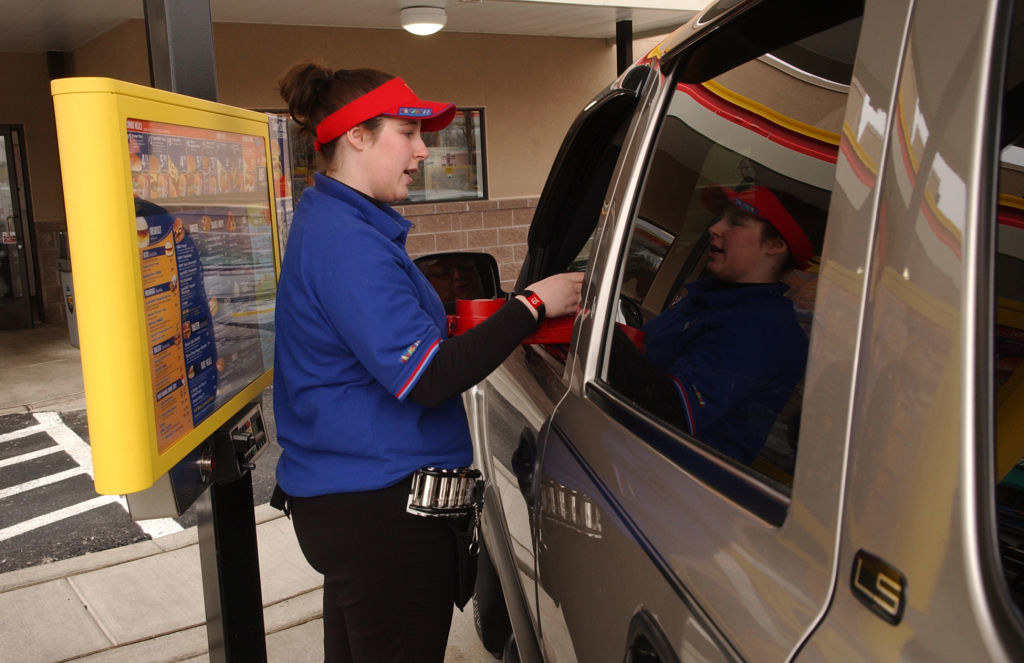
x,y
1009,336
207,261
1008,343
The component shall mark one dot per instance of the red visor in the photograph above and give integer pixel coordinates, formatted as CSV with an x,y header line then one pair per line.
x,y
392,99
761,203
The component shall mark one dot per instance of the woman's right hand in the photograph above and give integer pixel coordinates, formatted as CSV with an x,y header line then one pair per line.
x,y
560,293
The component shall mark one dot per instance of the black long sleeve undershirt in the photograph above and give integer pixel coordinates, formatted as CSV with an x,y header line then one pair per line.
x,y
462,361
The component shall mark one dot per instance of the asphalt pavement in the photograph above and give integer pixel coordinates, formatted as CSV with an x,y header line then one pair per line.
x,y
141,599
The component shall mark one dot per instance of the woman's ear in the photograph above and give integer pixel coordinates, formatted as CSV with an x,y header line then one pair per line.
x,y
775,246
357,137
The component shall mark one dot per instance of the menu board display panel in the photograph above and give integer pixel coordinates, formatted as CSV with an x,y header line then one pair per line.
x,y
175,253
207,266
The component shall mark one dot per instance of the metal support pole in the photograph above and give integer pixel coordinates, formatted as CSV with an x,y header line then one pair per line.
x,y
231,573
181,55
623,45
181,59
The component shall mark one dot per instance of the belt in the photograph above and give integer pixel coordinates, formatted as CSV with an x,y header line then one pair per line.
x,y
445,492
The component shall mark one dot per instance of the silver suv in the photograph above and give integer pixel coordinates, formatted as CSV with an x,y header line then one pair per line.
x,y
876,511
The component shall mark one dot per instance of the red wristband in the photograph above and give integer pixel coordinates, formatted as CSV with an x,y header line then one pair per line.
x,y
536,302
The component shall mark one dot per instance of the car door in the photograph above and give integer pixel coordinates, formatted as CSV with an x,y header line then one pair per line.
x,y
930,556
650,541
509,410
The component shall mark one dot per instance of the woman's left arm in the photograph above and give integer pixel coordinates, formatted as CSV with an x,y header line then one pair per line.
x,y
463,361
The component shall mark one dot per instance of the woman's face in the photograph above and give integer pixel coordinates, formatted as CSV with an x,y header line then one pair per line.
x,y
738,251
392,158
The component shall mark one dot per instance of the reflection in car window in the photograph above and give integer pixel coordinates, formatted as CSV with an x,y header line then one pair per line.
x,y
717,285
1008,330
456,276
1008,344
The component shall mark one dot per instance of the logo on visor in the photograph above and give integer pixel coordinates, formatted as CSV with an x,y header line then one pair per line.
x,y
409,111
745,206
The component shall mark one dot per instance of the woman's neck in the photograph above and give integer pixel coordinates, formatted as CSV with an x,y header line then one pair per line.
x,y
370,198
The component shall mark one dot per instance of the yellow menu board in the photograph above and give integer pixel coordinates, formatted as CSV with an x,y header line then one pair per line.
x,y
172,231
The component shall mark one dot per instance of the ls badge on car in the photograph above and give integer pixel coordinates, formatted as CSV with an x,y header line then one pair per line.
x,y
879,586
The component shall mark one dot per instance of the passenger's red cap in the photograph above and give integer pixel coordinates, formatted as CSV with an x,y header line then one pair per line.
x,y
762,204
392,99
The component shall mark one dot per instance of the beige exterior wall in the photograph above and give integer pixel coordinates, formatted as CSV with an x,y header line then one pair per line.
x,y
531,89
119,53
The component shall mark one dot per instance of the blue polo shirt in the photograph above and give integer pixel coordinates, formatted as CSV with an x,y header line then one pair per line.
x,y
356,325
735,353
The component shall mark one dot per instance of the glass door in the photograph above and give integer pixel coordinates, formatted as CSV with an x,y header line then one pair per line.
x,y
15,299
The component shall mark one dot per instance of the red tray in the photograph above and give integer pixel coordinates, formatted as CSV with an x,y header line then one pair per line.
x,y
551,331
471,312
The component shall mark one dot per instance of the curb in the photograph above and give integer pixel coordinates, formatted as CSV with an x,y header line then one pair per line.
x,y
36,575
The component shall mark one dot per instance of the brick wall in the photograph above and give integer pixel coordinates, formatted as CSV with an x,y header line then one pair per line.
x,y
498,227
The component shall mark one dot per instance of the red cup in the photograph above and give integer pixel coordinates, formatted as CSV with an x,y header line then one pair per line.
x,y
471,312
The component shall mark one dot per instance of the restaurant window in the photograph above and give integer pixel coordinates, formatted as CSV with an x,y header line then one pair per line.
x,y
454,170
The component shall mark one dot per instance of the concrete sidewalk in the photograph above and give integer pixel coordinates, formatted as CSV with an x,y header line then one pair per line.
x,y
143,603
40,371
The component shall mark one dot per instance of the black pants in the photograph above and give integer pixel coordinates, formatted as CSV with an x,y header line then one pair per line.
x,y
389,576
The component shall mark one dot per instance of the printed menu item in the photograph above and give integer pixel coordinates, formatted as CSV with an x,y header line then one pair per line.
x,y
206,256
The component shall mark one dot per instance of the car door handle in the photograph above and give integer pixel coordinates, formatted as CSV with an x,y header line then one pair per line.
x,y
524,461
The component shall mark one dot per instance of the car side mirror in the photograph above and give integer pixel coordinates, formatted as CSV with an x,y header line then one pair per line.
x,y
461,275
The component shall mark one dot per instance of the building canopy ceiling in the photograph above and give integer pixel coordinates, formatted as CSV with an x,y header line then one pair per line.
x,y
32,26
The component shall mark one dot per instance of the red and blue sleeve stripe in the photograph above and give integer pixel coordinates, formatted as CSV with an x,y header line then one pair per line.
x,y
687,406
410,382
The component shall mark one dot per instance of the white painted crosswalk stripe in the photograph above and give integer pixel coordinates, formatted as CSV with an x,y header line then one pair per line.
x,y
24,432
31,455
66,439
67,442
40,482
56,516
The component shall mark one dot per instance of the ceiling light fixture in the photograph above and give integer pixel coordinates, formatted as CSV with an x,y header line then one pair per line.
x,y
423,20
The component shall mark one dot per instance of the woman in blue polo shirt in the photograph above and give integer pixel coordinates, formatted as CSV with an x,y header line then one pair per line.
x,y
366,383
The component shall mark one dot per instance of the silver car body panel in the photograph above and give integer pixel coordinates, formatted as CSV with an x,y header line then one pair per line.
x,y
913,483
715,554
610,532
842,294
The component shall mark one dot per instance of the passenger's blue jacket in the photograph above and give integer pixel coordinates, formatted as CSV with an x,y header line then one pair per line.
x,y
357,324
735,352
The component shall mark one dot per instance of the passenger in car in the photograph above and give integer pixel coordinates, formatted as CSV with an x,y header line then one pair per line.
x,y
454,277
727,355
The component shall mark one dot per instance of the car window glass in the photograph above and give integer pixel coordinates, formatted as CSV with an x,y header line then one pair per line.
x,y
1008,328
567,215
566,223
717,284
1008,374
